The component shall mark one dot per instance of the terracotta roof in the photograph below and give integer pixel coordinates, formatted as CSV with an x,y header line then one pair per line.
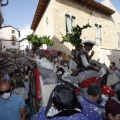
x,y
39,12
96,6
90,4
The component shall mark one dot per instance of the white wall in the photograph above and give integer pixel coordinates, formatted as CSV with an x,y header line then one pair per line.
x,y
24,44
5,34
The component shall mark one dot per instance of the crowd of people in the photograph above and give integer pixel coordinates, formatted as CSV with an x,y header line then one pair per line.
x,y
68,72
14,87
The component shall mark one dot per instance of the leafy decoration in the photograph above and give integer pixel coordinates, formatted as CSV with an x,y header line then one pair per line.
x,y
74,37
39,41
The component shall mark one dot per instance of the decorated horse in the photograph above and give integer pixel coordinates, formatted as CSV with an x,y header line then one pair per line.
x,y
102,77
46,80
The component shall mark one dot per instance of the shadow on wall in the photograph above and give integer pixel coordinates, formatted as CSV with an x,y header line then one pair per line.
x,y
76,5
106,55
59,46
111,55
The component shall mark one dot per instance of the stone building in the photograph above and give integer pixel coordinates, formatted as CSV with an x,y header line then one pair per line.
x,y
56,17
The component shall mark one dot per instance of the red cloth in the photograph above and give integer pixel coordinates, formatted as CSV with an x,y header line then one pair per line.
x,y
107,90
37,84
90,81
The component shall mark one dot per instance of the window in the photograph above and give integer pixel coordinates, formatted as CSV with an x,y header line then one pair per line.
x,y
98,36
70,22
13,43
13,31
118,40
13,37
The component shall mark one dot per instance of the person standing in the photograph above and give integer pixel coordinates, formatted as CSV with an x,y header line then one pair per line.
x,y
112,109
89,102
12,107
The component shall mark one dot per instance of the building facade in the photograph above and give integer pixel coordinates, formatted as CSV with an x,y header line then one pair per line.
x,y
56,17
9,37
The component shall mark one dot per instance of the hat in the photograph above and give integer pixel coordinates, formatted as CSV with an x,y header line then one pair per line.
x,y
107,90
88,42
62,102
112,107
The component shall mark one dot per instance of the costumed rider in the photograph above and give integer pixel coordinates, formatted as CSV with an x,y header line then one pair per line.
x,y
46,70
86,69
84,57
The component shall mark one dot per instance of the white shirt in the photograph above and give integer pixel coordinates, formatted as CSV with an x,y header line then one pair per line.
x,y
72,64
84,60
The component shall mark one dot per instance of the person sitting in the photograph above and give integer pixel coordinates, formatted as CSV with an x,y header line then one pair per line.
x,y
84,57
62,105
89,102
112,109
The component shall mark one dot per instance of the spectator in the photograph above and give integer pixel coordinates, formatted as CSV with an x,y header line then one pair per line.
x,y
25,80
107,93
62,105
112,108
21,90
113,66
11,105
6,76
89,102
72,65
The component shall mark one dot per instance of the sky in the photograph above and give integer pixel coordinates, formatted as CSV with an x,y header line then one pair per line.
x,y
116,3
20,14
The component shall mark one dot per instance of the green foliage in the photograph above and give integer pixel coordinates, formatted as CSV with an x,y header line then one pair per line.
x,y
46,40
74,37
39,41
